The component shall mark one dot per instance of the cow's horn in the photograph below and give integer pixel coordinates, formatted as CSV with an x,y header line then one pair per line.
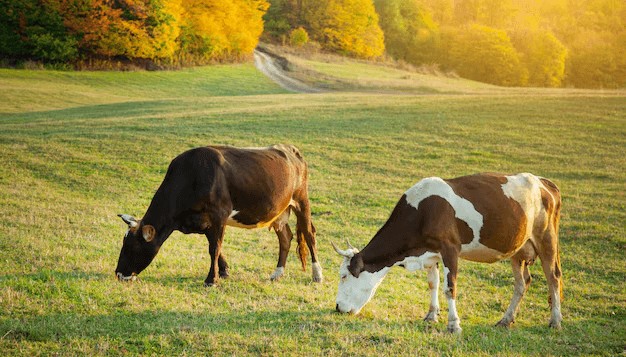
x,y
130,220
350,245
348,253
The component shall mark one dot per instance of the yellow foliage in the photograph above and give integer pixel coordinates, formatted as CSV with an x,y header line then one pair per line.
x,y
345,26
216,29
543,56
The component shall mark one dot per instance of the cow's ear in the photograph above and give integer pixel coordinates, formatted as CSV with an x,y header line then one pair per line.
x,y
148,232
356,265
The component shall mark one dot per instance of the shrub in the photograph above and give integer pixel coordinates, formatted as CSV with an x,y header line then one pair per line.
x,y
298,37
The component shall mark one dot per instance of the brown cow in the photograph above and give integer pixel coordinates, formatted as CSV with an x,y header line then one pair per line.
x,y
207,188
482,218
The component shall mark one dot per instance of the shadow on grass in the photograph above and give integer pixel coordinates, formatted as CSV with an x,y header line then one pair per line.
x,y
321,330
118,110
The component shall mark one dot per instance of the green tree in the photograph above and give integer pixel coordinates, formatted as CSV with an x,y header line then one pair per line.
x,y
484,54
543,56
34,29
410,32
298,37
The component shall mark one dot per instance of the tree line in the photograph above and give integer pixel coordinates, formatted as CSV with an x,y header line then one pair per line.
x,y
547,43
169,31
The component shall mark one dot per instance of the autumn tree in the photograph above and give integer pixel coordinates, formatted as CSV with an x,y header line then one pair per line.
x,y
216,29
348,27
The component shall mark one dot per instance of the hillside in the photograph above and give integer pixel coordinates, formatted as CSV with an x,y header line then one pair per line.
x,y
77,148
339,73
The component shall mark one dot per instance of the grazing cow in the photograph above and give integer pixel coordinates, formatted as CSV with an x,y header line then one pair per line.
x,y
482,218
208,188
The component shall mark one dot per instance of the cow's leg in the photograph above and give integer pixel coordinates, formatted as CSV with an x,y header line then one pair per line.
x,y
215,235
433,286
519,264
305,230
223,266
284,241
551,264
522,282
450,257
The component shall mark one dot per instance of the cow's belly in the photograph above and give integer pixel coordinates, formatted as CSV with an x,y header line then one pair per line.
x,y
478,252
240,220
232,221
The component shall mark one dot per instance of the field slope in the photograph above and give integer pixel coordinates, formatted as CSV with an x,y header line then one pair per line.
x,y
78,148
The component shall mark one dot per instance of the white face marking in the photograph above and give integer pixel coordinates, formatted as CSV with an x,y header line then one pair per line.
x,y
424,261
353,293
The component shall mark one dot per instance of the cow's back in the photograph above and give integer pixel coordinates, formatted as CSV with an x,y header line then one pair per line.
x,y
510,207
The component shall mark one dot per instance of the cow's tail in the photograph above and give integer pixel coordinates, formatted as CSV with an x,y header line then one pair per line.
x,y
303,250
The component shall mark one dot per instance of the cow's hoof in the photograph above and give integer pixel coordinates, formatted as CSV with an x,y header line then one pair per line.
x,y
431,316
555,325
455,329
224,274
318,277
280,271
209,284
504,323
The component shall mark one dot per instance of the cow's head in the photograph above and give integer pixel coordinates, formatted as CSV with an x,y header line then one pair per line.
x,y
356,285
138,250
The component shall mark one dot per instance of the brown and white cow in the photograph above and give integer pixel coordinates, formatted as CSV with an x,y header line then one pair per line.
x,y
207,188
483,218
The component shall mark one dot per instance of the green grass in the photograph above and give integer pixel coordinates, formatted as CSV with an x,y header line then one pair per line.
x,y
70,163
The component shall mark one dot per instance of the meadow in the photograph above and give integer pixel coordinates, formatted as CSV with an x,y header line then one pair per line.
x,y
77,148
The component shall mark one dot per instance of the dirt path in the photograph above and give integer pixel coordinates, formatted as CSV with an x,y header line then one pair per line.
x,y
269,66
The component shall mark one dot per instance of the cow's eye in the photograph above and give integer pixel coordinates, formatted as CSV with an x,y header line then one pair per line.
x,y
343,277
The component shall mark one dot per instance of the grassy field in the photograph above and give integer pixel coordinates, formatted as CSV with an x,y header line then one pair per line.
x,y
78,148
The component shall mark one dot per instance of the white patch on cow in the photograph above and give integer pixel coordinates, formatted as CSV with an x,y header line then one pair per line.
x,y
525,189
317,272
433,285
353,293
454,322
424,261
280,271
463,209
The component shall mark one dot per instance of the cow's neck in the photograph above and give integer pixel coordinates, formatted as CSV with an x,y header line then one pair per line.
x,y
161,220
391,246
383,250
